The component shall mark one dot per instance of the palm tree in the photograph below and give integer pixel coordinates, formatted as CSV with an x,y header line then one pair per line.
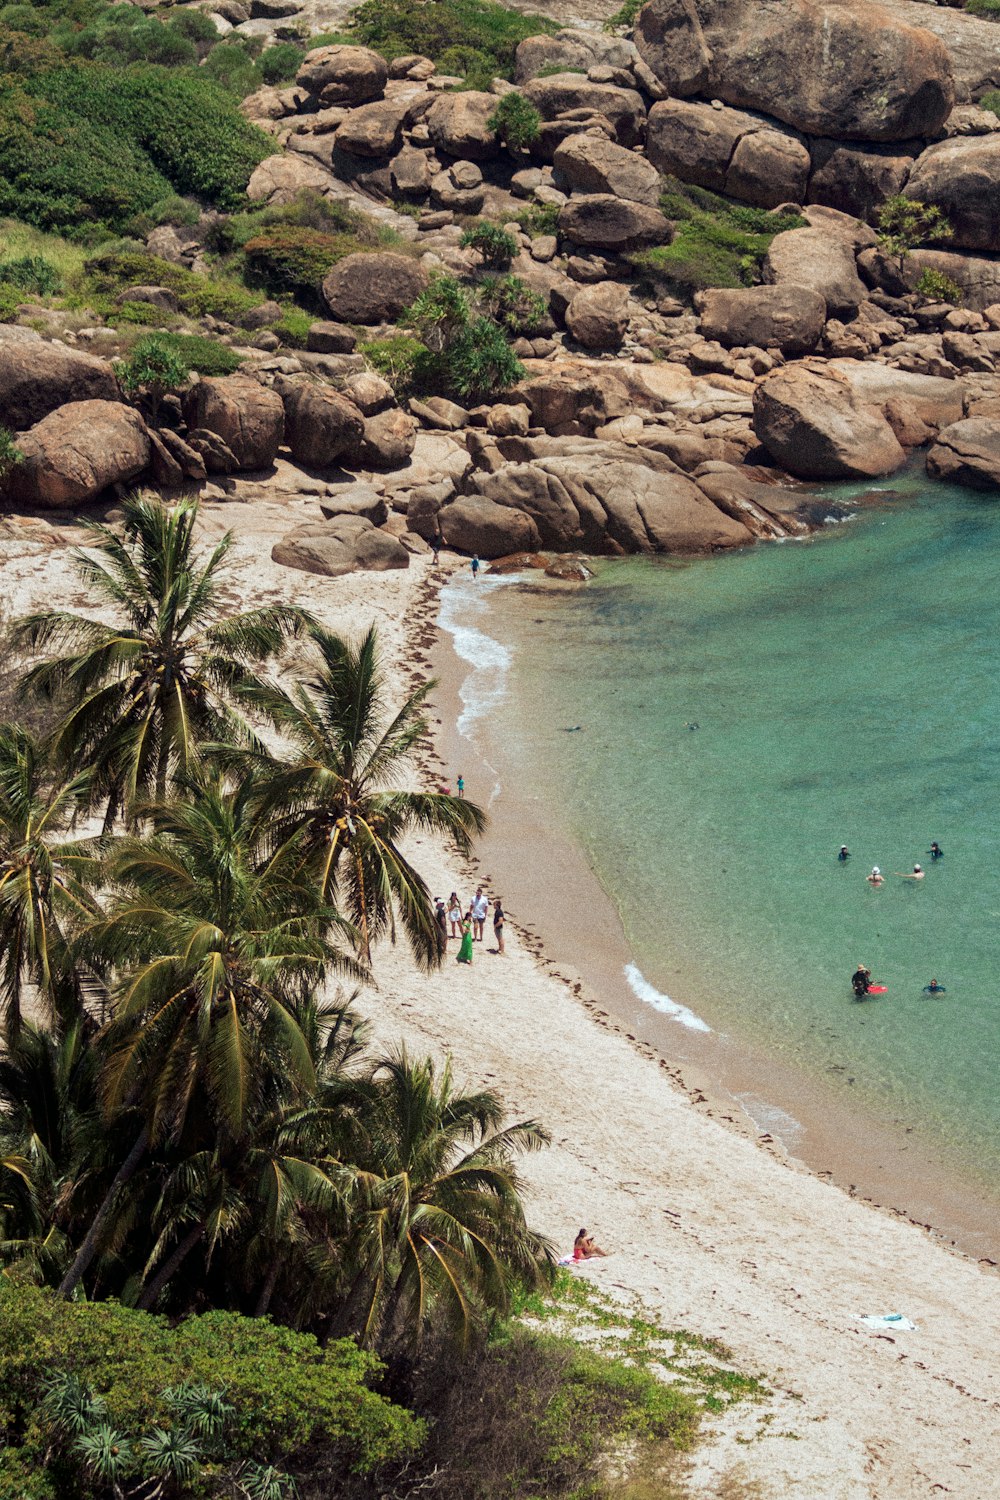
x,y
148,691
340,797
218,950
45,878
437,1219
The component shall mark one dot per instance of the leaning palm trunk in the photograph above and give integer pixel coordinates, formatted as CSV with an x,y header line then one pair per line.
x,y
92,1239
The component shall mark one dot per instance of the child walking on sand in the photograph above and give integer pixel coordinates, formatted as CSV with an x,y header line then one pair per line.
x,y
464,954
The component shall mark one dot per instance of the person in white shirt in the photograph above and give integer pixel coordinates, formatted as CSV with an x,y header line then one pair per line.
x,y
480,908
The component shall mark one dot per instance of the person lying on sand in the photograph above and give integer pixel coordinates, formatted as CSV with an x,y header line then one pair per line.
x,y
584,1247
918,874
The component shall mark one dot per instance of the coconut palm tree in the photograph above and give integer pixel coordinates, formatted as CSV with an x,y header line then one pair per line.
x,y
46,878
217,950
437,1219
340,795
149,690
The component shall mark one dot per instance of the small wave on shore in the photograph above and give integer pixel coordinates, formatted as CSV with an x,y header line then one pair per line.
x,y
650,995
463,601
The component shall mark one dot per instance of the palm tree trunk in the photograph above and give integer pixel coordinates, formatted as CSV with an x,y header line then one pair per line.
x,y
267,1290
166,1271
91,1239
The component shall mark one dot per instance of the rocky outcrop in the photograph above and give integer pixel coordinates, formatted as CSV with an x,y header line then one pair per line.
x,y
567,93
343,75
249,418
960,177
476,524
73,454
281,179
375,129
387,441
459,125
572,51
600,222
968,453
36,377
591,163
372,288
811,423
821,261
858,179
342,545
785,317
321,425
729,151
846,69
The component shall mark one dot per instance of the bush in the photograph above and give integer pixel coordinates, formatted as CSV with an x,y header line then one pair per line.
x,y
990,9
624,17
287,1392
397,359
511,302
205,355
495,246
32,273
906,223
476,69
293,327
938,287
287,258
153,368
233,66
142,314
396,27
199,296
10,453
479,363
84,144
515,120
716,242
280,63
538,218
991,101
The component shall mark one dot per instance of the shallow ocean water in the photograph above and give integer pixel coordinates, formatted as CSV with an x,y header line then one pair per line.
x,y
712,731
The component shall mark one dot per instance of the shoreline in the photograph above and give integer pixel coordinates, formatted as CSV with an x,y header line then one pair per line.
x,y
791,1114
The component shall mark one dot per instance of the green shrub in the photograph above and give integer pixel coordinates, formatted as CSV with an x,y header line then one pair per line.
x,y
124,34
494,245
716,242
396,27
397,359
293,327
233,66
199,296
11,298
515,120
538,218
479,363
510,302
10,453
476,69
205,355
906,223
153,368
287,1392
85,144
936,286
32,273
626,16
991,101
287,258
990,9
142,314
280,63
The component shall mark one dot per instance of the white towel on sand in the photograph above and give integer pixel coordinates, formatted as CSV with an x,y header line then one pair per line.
x,y
887,1322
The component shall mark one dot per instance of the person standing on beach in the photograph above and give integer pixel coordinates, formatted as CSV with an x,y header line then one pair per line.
x,y
498,920
480,909
464,954
461,786
455,914
474,565
441,918
436,549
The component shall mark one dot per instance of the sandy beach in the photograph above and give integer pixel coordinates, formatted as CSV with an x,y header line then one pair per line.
x,y
709,1230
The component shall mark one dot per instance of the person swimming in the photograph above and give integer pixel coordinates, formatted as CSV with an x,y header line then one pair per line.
x,y
876,877
844,853
861,981
936,851
917,874
934,988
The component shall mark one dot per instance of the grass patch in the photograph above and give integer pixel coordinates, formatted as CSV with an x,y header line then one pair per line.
x,y
475,39
716,243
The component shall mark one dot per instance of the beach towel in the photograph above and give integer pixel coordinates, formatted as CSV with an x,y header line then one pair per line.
x,y
887,1322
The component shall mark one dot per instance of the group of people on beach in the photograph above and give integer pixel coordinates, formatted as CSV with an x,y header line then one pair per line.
x,y
466,923
861,979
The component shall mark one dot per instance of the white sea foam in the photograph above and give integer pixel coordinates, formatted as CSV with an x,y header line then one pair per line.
x,y
464,601
649,995
771,1118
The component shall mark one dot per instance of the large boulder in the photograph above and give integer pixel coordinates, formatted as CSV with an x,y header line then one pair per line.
x,y
375,129
373,288
814,427
590,163
968,453
247,416
476,524
729,151
970,41
961,177
858,179
789,318
281,179
604,498
458,125
565,93
344,544
388,440
571,51
597,317
822,261
840,68
36,377
343,75
933,399
599,221
74,453
321,425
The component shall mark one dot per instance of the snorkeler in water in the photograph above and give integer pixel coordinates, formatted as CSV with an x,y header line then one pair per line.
x,y
936,851
843,853
934,988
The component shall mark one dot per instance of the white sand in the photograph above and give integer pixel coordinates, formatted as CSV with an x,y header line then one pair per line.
x,y
708,1230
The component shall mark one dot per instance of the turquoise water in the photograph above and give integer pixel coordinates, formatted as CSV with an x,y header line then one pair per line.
x,y
845,690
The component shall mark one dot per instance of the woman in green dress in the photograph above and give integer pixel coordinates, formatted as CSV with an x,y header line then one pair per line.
x,y
464,955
